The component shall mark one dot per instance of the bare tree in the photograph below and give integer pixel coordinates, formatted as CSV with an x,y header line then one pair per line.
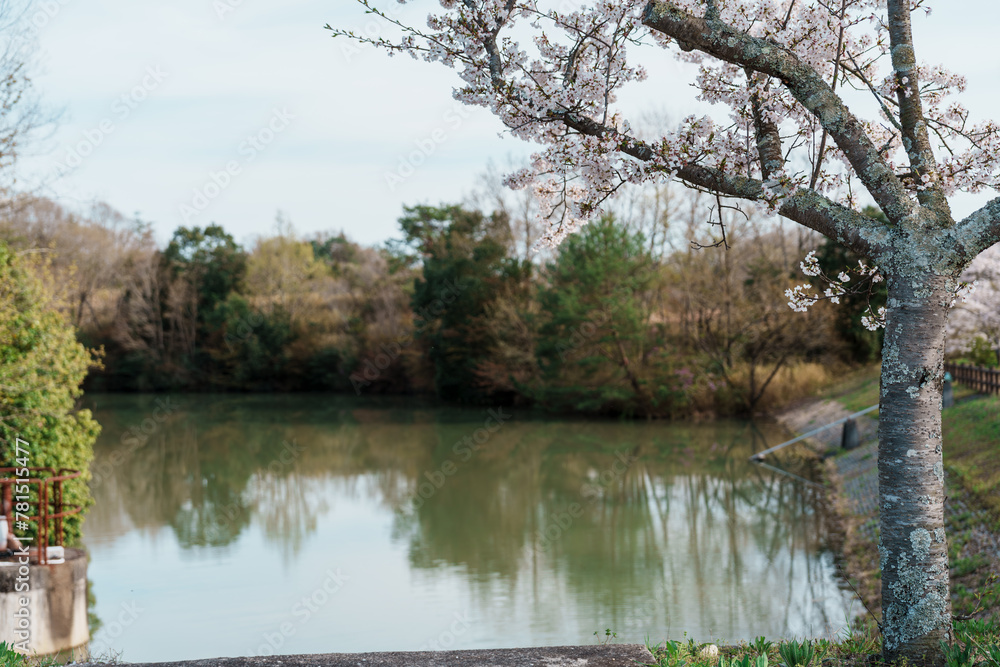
x,y
21,111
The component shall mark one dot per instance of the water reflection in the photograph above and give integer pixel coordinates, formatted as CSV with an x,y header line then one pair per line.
x,y
540,531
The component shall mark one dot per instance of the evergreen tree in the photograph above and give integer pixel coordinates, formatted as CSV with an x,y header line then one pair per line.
x,y
596,347
465,266
203,267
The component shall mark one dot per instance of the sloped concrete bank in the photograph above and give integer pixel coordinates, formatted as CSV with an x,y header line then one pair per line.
x,y
610,655
852,501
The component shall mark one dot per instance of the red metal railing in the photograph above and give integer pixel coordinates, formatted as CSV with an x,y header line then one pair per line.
x,y
49,502
983,380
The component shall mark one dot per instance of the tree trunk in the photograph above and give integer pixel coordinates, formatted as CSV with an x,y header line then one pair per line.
x,y
916,599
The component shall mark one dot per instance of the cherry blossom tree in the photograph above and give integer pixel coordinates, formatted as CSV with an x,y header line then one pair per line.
x,y
781,72
979,316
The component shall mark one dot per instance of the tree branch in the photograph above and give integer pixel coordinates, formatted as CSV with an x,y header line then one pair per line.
x,y
490,43
765,130
979,231
807,207
821,153
806,85
911,114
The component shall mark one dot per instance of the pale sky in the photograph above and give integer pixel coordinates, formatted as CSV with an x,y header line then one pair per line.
x,y
162,95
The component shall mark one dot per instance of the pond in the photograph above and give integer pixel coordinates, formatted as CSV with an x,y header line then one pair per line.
x,y
233,525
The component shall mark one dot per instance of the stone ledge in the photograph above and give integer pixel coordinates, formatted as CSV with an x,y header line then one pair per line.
x,y
610,655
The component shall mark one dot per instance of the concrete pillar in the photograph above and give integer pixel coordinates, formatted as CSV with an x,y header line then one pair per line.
x,y
947,395
47,602
851,439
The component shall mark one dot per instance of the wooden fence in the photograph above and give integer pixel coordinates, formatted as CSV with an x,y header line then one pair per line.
x,y
983,380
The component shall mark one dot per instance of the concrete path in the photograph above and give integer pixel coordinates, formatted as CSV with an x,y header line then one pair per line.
x,y
610,655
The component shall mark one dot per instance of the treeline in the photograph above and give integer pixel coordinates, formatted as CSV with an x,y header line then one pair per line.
x,y
643,313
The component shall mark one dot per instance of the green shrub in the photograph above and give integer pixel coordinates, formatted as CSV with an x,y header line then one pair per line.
x,y
981,353
41,369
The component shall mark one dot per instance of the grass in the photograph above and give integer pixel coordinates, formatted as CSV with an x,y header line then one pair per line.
x,y
971,430
859,390
972,442
977,644
9,657
790,384
855,389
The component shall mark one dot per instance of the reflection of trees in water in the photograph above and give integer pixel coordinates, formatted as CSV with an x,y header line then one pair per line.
x,y
737,535
482,515
689,519
287,507
192,473
220,461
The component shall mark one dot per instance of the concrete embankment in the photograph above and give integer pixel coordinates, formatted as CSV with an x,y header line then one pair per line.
x,y
610,655
852,477
973,531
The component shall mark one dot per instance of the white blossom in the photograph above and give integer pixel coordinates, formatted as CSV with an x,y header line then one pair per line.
x,y
810,265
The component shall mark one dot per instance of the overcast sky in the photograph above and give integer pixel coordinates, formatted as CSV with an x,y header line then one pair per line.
x,y
199,111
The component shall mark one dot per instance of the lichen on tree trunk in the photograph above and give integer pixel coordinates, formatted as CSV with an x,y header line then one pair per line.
x,y
913,549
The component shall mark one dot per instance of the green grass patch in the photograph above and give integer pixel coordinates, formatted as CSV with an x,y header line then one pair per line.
x,y
976,644
962,392
863,397
858,390
9,657
972,449
963,566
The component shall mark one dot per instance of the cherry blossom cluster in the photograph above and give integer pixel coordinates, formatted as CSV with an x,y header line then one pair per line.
x,y
969,153
965,292
802,297
559,89
978,315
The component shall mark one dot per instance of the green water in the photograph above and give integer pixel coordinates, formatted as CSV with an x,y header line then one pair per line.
x,y
249,525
